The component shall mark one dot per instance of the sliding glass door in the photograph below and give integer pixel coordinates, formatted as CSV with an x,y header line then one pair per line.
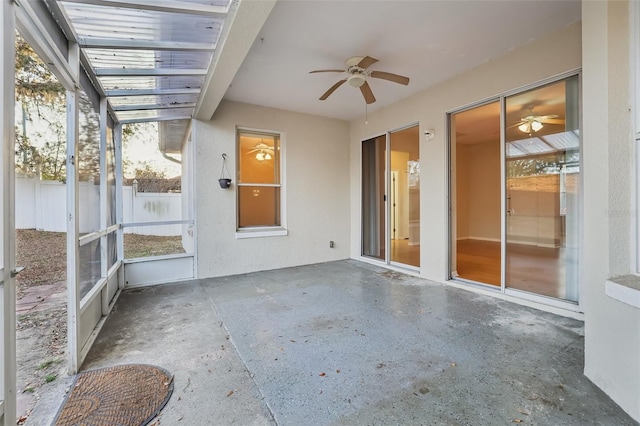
x,y
374,160
391,198
515,165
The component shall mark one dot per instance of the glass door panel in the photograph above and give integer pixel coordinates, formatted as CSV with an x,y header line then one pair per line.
x,y
542,175
475,194
374,154
405,196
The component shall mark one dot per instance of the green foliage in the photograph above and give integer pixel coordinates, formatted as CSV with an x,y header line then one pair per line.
x,y
41,95
46,364
35,85
146,171
50,377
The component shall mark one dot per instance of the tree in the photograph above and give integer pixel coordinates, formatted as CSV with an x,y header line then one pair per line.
x,y
41,96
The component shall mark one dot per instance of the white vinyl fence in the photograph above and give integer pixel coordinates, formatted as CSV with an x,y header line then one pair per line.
x,y
42,205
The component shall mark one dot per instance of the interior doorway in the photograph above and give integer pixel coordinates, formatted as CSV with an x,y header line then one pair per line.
x,y
391,197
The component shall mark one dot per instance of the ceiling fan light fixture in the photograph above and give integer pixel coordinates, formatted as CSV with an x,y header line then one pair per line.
x,y
356,80
524,127
260,156
536,125
267,156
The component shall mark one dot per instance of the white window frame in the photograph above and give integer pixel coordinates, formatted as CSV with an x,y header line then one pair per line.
x,y
263,231
634,45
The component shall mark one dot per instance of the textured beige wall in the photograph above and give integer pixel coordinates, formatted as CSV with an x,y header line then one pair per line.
x,y
316,186
612,328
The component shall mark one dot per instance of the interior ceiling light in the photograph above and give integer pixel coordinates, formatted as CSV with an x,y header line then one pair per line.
x,y
263,151
530,125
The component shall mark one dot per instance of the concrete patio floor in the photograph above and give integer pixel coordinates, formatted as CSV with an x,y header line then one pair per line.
x,y
348,343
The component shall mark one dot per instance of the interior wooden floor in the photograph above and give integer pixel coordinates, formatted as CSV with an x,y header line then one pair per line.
x,y
402,252
538,270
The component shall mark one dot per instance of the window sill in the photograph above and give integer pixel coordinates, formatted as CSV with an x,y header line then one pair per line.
x,y
625,288
261,232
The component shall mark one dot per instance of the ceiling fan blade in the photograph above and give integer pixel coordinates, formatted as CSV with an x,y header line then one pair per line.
x,y
544,117
315,71
332,89
366,62
390,76
367,93
516,125
552,121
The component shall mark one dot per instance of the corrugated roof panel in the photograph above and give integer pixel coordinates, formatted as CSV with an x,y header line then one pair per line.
x,y
563,141
173,42
92,21
121,58
532,146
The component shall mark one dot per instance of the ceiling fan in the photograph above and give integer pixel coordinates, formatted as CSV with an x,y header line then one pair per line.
x,y
357,77
264,152
532,123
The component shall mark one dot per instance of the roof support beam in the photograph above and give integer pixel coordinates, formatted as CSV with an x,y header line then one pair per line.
x,y
118,43
152,106
153,119
150,92
171,6
137,72
234,44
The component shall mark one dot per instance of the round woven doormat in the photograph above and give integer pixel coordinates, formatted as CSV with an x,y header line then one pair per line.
x,y
126,395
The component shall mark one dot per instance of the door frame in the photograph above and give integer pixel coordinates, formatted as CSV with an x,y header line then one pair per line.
x,y
388,205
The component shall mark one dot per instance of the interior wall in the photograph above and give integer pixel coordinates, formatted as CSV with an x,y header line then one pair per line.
x,y
612,327
316,192
399,164
543,58
484,191
462,206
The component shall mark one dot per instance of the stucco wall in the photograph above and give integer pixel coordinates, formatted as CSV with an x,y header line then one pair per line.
x,y
557,53
316,185
612,328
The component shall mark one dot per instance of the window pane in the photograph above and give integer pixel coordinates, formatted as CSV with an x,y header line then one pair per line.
x,y
89,166
259,158
258,206
111,178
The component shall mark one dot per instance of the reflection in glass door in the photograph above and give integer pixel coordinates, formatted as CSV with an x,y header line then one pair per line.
x,y
542,175
391,230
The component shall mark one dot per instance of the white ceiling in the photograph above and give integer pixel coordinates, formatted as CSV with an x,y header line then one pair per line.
x,y
427,41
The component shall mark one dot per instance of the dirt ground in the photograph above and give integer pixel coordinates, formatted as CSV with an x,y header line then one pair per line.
x,y
41,337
